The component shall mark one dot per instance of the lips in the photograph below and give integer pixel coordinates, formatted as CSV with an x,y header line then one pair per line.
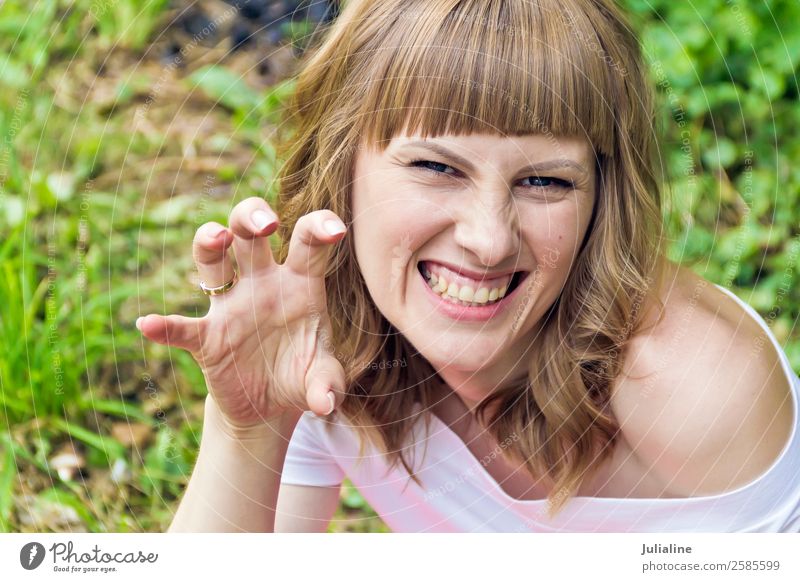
x,y
459,287
478,309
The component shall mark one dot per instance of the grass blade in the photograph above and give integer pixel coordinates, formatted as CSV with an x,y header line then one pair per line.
x,y
8,472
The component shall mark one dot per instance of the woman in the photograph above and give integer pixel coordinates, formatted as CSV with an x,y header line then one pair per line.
x,y
498,343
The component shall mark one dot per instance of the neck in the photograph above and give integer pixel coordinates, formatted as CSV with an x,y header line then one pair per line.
x,y
471,387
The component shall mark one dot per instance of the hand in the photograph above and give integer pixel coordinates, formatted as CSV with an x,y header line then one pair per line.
x,y
260,345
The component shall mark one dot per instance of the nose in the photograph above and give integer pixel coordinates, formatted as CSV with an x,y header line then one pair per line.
x,y
489,231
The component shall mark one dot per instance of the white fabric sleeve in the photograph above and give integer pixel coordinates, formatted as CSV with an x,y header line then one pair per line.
x,y
308,458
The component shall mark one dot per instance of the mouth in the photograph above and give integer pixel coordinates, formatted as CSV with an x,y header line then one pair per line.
x,y
466,292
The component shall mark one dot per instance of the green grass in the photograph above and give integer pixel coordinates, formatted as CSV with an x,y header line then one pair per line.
x,y
97,221
92,239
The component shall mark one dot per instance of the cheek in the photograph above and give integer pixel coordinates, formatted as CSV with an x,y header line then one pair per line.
x,y
391,222
555,235
389,226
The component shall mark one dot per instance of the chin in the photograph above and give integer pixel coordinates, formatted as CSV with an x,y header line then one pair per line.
x,y
461,358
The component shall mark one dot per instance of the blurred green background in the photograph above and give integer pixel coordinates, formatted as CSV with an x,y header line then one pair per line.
x,y
126,125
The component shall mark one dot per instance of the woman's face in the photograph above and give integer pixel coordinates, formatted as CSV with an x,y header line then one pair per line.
x,y
473,212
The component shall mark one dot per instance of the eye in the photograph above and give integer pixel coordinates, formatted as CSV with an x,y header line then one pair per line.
x,y
426,165
537,182
547,182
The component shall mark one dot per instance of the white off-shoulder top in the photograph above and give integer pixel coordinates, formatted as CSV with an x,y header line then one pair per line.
x,y
459,495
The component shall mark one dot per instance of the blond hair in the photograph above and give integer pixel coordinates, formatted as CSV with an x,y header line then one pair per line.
x,y
509,67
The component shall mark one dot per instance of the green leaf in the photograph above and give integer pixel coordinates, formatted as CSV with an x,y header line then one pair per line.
x,y
694,34
227,88
117,408
665,47
793,353
351,498
175,210
722,153
276,99
164,457
99,442
766,81
696,243
15,75
710,96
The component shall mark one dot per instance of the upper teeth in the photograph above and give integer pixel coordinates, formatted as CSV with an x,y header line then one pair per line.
x,y
465,292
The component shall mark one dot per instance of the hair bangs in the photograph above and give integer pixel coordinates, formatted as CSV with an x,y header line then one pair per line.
x,y
510,68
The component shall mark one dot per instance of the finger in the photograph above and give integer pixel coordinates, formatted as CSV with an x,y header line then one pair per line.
x,y
211,256
172,330
325,386
252,221
310,245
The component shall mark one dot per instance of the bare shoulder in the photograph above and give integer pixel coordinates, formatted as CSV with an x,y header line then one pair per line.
x,y
703,402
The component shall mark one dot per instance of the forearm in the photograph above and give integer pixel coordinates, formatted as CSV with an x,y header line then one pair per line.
x,y
235,483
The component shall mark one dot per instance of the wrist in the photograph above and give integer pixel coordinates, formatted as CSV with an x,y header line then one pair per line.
x,y
280,423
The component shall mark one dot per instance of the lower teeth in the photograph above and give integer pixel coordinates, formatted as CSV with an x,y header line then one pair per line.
x,y
465,304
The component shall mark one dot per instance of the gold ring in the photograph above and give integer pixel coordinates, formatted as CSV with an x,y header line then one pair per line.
x,y
222,288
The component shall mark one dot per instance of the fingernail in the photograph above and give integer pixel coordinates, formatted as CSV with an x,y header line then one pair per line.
x,y
220,233
333,227
333,402
139,323
262,219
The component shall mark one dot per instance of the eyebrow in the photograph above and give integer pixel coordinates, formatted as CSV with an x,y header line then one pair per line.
x,y
465,163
